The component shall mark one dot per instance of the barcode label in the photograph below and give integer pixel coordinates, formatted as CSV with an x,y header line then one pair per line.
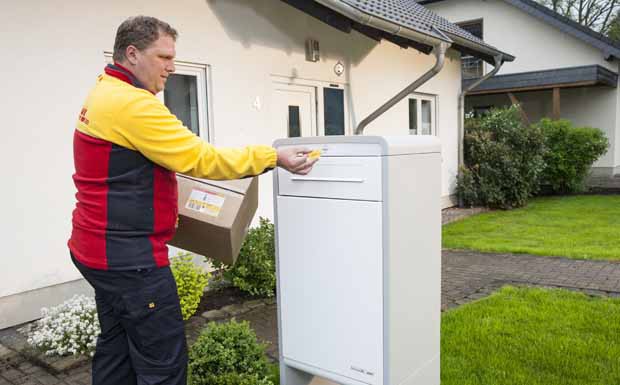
x,y
205,202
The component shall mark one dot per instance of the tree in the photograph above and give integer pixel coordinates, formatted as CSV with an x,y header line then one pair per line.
x,y
614,29
599,15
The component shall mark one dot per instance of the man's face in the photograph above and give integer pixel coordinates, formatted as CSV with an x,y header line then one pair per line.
x,y
153,65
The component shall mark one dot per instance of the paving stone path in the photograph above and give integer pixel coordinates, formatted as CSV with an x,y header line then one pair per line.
x,y
466,276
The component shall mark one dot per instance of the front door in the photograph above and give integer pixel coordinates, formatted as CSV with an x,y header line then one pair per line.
x,y
310,109
294,110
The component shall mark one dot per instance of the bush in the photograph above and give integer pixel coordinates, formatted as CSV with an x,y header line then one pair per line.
x,y
234,379
572,151
228,351
255,269
503,160
191,282
69,328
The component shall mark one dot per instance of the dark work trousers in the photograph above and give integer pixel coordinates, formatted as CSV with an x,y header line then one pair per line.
x,y
142,340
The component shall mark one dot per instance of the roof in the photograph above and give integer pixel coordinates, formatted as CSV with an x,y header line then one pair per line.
x,y
607,46
590,75
406,15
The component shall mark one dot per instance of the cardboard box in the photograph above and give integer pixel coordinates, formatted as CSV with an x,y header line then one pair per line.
x,y
214,216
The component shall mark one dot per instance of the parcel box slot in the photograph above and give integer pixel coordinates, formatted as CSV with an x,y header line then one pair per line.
x,y
341,177
343,180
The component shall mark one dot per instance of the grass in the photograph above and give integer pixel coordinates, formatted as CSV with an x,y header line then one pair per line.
x,y
521,336
580,227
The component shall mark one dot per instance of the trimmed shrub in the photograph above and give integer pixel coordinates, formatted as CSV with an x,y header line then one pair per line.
x,y
255,269
227,352
503,160
233,379
571,153
191,282
70,328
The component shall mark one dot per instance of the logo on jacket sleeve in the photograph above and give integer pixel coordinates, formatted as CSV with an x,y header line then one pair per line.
x,y
83,118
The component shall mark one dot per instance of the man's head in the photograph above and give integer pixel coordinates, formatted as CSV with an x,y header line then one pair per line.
x,y
146,47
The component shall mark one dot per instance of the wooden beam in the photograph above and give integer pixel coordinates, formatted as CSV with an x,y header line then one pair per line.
x,y
556,103
515,102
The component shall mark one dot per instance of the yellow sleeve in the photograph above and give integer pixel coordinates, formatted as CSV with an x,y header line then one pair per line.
x,y
154,131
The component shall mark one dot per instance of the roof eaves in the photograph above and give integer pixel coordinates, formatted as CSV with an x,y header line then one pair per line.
x,y
374,21
350,9
563,77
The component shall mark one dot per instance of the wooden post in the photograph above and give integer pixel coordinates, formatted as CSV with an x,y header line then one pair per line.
x,y
515,102
556,103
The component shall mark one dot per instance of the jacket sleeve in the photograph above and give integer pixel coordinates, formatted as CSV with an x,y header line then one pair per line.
x,y
154,131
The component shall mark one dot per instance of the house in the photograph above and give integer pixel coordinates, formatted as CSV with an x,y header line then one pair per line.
x,y
247,72
563,70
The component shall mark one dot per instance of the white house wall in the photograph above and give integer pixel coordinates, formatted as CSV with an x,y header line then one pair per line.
x,y
536,44
594,107
54,54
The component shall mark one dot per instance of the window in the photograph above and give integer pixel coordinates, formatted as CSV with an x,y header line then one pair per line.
x,y
422,119
185,95
333,99
294,125
181,97
472,66
413,116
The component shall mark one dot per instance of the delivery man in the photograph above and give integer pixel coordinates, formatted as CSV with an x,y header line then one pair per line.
x,y
127,149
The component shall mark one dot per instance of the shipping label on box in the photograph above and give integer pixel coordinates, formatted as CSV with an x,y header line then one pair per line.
x,y
206,202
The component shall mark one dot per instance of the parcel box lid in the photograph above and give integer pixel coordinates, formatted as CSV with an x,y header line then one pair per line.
x,y
364,146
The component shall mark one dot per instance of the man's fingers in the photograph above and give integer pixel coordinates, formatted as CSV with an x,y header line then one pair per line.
x,y
296,160
304,171
305,166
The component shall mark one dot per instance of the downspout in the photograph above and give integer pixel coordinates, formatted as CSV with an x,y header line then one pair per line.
x,y
440,54
461,110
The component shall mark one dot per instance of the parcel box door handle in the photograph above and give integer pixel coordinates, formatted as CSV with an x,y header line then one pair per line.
x,y
319,179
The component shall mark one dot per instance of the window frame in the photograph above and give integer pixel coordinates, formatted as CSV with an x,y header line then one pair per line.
x,y
481,63
419,97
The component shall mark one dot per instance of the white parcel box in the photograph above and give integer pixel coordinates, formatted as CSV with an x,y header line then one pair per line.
x,y
359,262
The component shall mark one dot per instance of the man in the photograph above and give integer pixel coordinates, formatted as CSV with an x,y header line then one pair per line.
x,y
127,148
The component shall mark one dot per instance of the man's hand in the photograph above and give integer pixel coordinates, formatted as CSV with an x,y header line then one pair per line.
x,y
296,160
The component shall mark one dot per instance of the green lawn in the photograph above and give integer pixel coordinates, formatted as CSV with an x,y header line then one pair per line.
x,y
523,336
584,227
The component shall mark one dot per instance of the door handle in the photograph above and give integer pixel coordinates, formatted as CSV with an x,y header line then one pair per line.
x,y
319,179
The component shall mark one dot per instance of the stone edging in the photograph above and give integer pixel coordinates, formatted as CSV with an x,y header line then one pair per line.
x,y
235,310
489,289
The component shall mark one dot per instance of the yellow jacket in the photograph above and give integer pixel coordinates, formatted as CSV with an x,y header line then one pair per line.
x,y
134,118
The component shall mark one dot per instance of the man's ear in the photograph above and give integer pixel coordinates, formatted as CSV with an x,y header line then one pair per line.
x,y
131,54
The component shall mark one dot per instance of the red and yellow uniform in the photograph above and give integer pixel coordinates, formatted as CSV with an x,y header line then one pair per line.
x,y
127,148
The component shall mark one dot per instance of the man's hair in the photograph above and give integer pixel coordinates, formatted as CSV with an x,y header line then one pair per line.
x,y
141,32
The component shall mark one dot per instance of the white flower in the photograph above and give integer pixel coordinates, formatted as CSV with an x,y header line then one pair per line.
x,y
71,327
